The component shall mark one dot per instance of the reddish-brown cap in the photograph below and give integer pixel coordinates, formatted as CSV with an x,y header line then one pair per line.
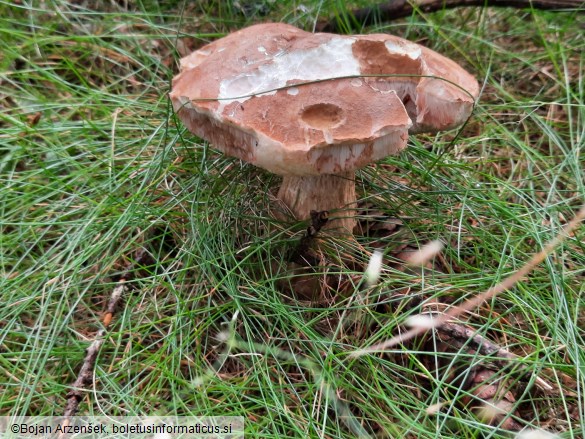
x,y
268,94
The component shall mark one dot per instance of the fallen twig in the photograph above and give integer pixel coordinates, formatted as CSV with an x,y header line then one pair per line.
x,y
506,284
403,8
462,336
85,376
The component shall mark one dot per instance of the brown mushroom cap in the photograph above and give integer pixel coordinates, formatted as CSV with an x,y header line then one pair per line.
x,y
226,94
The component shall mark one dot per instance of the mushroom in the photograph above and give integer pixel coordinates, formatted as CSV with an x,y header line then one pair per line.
x,y
313,108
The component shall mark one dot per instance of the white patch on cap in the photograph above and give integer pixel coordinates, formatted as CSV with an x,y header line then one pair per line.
x,y
332,59
403,48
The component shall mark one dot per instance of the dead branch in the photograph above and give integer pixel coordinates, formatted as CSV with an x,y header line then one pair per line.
x,y
395,9
486,390
463,337
117,294
85,376
476,301
121,288
460,336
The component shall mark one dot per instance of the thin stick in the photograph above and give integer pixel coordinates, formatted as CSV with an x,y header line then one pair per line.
x,y
85,376
392,10
462,336
476,301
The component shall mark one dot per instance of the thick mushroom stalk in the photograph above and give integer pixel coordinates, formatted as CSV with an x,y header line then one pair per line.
x,y
316,107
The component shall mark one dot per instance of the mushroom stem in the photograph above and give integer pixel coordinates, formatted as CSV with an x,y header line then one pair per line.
x,y
321,192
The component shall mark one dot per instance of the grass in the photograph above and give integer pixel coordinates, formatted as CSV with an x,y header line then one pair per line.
x,y
94,167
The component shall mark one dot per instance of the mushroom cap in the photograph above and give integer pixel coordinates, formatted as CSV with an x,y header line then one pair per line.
x,y
297,103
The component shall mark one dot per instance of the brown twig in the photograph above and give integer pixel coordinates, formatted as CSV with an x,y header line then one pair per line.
x,y
121,288
117,294
403,8
474,302
85,376
462,336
